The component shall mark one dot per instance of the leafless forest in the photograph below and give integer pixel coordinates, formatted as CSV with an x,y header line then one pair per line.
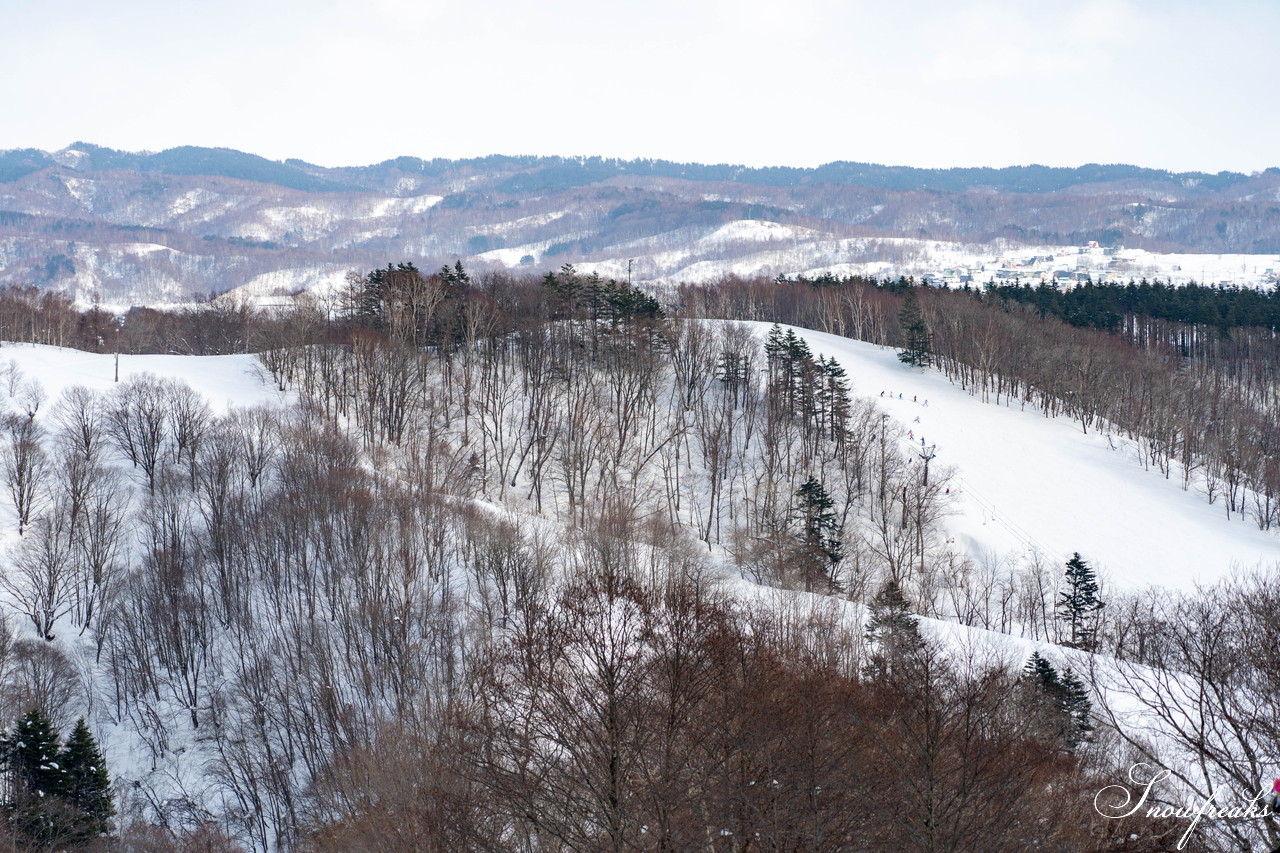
x,y
554,565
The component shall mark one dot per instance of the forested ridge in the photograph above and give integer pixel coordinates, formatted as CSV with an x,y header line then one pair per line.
x,y
553,173
167,227
474,589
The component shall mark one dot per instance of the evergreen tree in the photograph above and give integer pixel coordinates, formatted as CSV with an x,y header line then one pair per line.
x,y
37,781
1065,699
733,369
797,349
455,276
918,350
774,344
57,798
786,354
835,398
1077,707
820,548
891,632
626,303
1079,603
565,288
1040,671
31,754
87,785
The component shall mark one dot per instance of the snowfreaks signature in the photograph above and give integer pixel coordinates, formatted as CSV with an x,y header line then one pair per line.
x,y
1260,806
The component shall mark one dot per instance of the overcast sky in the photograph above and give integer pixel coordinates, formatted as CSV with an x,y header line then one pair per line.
x,y
1177,84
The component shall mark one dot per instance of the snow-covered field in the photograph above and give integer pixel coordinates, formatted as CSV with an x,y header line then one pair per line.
x,y
224,380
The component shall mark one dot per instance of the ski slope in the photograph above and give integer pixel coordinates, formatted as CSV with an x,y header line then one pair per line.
x,y
1024,481
224,380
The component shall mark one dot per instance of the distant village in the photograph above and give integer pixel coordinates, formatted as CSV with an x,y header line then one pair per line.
x,y
1096,263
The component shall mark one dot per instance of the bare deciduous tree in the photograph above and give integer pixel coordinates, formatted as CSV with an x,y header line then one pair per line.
x,y
25,467
41,580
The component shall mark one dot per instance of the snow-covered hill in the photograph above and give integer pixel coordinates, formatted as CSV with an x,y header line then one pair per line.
x,y
1031,482
223,380
1024,481
1021,483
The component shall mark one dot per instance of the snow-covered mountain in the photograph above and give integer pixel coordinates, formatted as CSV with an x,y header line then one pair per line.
x,y
179,224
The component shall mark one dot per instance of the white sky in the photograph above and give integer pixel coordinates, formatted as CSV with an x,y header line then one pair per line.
x,y
1177,84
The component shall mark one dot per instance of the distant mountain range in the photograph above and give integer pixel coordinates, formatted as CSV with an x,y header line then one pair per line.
x,y
154,227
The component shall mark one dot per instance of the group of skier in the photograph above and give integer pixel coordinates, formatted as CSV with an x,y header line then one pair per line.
x,y
915,398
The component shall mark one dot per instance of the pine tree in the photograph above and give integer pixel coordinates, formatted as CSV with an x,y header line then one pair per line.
x,y
57,798
31,754
732,369
820,548
1079,603
1040,671
1065,698
891,631
36,779
835,398
918,350
1076,705
774,344
458,275
87,785
789,360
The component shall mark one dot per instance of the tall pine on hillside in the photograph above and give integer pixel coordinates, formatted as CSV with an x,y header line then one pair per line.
x,y
1076,705
87,786
35,780
892,633
819,547
1079,604
917,344
1062,698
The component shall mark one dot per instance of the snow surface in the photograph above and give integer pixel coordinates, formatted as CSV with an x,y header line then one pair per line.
x,y
403,206
1026,482
769,248
224,380
275,289
756,230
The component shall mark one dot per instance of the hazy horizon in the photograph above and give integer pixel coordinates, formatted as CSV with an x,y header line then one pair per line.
x,y
1168,85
